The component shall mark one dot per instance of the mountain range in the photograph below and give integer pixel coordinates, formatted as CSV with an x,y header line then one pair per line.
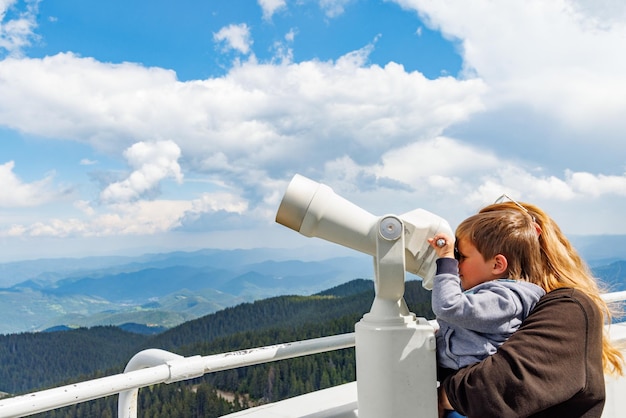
x,y
160,291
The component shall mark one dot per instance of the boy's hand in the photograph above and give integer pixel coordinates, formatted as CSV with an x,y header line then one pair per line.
x,y
443,245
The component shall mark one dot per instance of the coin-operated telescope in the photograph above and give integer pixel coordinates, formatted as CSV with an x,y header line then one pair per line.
x,y
395,351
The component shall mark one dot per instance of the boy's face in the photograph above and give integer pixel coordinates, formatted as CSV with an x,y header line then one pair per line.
x,y
473,268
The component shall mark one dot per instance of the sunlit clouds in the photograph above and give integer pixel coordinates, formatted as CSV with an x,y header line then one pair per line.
x,y
235,37
536,110
17,28
16,193
151,163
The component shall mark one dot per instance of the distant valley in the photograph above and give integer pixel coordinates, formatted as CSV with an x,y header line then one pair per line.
x,y
157,291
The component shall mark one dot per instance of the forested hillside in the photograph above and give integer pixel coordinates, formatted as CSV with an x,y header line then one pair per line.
x,y
266,322
35,360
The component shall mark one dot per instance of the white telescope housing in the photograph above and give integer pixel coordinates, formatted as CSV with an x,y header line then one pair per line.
x,y
395,351
314,210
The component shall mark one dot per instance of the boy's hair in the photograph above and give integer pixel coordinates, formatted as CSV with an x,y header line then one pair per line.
x,y
511,233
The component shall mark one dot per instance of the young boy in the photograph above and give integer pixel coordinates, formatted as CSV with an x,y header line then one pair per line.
x,y
483,288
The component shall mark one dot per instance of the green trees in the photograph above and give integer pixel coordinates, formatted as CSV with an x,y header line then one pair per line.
x,y
32,361
37,360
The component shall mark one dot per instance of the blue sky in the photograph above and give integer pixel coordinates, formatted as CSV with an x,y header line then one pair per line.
x,y
128,127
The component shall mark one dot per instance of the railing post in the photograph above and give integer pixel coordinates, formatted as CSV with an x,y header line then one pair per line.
x,y
127,402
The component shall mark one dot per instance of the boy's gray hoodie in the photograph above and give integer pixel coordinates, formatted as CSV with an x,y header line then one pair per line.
x,y
474,323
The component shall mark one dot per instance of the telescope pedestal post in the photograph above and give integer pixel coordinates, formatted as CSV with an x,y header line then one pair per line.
x,y
395,352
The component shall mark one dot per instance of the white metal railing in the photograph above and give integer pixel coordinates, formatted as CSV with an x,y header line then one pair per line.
x,y
614,297
155,366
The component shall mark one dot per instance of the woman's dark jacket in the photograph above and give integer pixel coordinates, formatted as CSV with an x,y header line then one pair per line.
x,y
550,367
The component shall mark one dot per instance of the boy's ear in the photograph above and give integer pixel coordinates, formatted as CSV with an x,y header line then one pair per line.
x,y
500,264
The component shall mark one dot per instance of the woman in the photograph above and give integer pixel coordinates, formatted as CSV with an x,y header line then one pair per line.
x,y
554,365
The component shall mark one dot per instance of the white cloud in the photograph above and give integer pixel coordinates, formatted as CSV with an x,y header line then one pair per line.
x,y
85,207
235,37
17,33
258,116
282,50
594,185
602,13
291,35
554,57
213,202
334,8
454,179
519,183
15,193
270,7
68,97
141,217
524,185
434,160
55,227
152,163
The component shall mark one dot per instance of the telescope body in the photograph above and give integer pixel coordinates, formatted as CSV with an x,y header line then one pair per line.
x,y
315,210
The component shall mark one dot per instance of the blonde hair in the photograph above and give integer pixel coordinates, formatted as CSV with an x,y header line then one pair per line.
x,y
507,232
563,267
